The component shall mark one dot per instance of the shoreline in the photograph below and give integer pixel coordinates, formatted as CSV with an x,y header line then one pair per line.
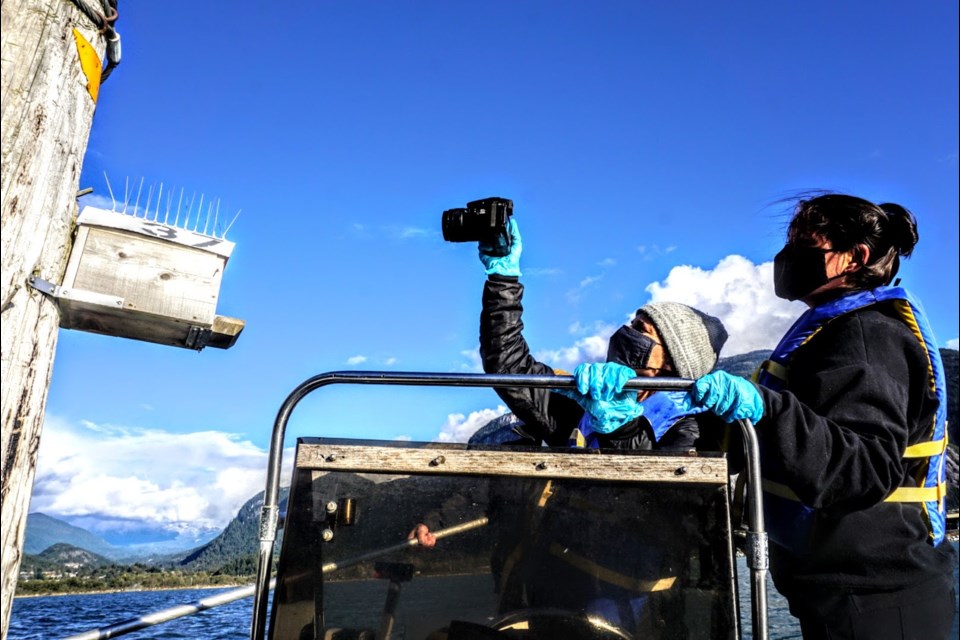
x,y
237,585
951,536
133,590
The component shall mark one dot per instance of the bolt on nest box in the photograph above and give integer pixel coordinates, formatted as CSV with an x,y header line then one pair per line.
x,y
146,280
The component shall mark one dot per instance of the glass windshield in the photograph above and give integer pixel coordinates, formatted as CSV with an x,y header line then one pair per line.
x,y
512,556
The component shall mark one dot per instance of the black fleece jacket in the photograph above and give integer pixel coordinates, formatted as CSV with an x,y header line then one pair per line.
x,y
857,396
548,416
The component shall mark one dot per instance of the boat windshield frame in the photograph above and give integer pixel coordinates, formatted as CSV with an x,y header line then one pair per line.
x,y
756,541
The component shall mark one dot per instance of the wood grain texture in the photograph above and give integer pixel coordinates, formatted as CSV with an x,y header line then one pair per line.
x,y
622,468
44,127
151,275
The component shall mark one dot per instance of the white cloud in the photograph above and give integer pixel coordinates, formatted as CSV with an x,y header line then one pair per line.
x,y
415,232
574,295
99,201
591,347
459,427
738,292
575,328
390,361
104,202
474,364
953,344
355,360
603,329
533,272
119,476
652,252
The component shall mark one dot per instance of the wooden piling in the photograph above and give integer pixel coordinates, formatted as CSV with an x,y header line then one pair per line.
x,y
49,84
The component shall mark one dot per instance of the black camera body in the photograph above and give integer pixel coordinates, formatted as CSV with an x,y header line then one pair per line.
x,y
483,221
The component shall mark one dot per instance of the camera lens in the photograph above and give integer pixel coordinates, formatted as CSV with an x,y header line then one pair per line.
x,y
453,224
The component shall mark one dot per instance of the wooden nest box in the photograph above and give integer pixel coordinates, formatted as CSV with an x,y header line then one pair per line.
x,y
145,280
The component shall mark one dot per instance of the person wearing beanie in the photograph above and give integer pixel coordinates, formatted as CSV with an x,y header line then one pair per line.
x,y
691,338
665,339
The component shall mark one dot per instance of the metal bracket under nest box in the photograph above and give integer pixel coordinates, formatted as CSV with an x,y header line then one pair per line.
x,y
70,300
79,295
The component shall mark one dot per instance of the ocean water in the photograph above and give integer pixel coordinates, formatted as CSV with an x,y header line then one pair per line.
x,y
46,618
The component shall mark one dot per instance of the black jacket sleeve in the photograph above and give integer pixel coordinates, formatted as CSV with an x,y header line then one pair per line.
x,y
547,416
858,394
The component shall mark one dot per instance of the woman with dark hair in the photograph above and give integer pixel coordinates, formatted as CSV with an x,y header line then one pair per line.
x,y
851,413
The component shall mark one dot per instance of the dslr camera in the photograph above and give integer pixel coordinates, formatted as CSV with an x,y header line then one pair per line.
x,y
483,221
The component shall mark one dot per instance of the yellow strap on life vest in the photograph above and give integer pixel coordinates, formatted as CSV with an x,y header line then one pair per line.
x,y
577,439
780,490
918,494
775,369
926,449
903,494
919,450
606,575
906,314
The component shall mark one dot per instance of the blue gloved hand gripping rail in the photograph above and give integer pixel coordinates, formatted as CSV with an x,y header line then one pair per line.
x,y
757,558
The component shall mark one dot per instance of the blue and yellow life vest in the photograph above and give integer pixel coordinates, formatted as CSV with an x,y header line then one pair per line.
x,y
788,519
663,409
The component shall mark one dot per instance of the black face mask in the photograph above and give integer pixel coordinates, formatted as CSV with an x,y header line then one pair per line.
x,y
799,270
631,348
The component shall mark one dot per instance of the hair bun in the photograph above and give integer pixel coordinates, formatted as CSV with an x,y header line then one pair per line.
x,y
902,228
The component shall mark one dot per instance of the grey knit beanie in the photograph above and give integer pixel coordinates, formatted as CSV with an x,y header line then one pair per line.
x,y
692,338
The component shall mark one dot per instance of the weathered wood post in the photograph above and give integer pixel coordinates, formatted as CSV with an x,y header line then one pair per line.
x,y
50,80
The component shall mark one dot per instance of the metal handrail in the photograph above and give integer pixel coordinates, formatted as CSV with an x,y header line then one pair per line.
x,y
757,544
166,615
757,558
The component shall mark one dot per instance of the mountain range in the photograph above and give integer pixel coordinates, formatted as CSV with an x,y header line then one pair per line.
x,y
234,550
44,530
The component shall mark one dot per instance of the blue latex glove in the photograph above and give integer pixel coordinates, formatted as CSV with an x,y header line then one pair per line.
x,y
730,397
508,265
602,380
600,391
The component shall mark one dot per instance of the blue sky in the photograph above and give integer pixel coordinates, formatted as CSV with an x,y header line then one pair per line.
x,y
645,146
